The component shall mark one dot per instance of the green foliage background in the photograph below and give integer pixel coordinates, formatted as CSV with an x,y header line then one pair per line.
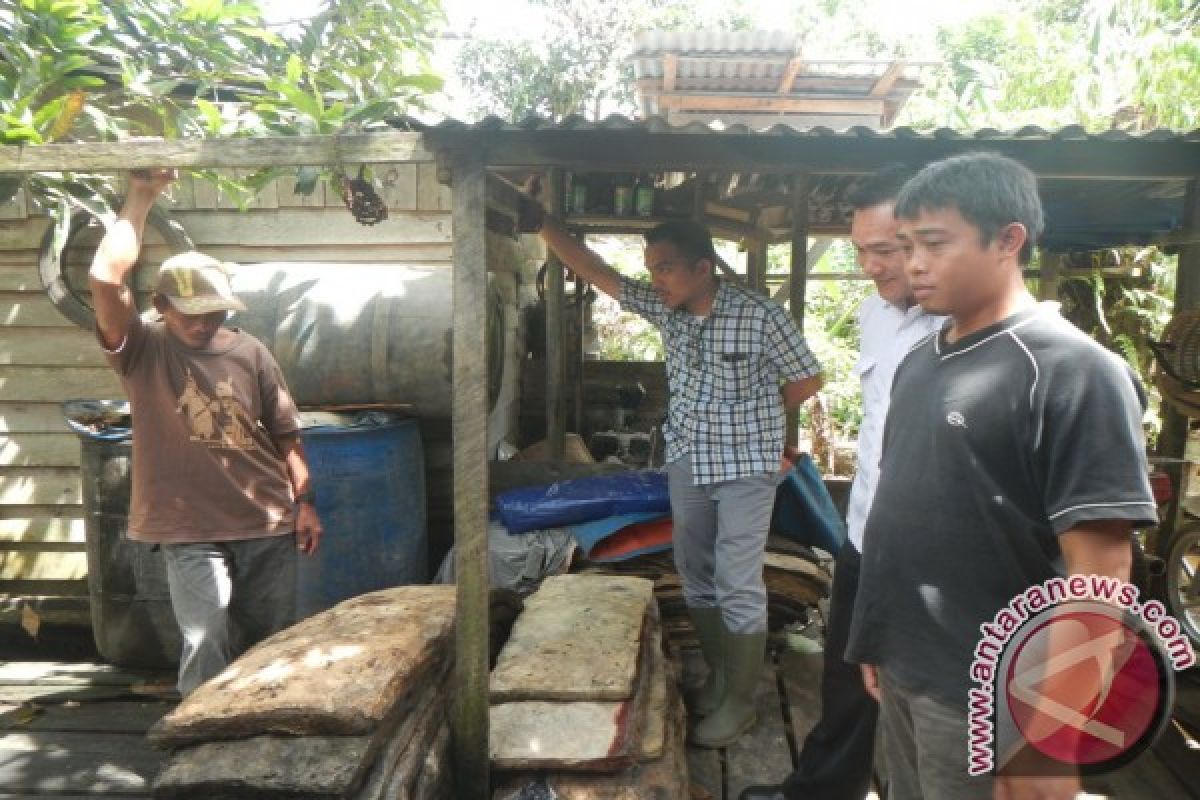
x,y
73,70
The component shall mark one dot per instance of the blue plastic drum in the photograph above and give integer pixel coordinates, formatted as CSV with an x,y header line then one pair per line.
x,y
369,478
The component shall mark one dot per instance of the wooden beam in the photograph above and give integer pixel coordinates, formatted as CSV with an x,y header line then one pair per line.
x,y
729,272
818,248
470,712
1177,238
699,187
1049,277
887,80
670,70
556,331
770,102
580,354
793,68
639,150
783,58
742,215
756,266
798,272
271,151
804,82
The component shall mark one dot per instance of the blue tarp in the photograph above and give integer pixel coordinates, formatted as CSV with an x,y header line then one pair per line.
x,y
589,534
804,510
583,500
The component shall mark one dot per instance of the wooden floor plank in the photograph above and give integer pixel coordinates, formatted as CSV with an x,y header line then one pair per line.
x,y
761,755
42,763
53,673
5,795
57,695
101,717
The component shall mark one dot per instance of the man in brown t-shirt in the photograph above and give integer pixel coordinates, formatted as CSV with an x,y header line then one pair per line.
x,y
220,480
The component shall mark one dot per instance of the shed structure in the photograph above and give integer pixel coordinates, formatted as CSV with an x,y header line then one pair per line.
x,y
762,78
1100,190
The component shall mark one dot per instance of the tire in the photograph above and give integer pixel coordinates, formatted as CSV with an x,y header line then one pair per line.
x,y
1183,581
50,261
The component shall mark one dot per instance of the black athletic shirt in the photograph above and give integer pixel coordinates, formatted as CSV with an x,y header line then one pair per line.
x,y
993,445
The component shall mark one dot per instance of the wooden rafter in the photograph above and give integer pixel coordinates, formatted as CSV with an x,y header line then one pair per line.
x,y
670,70
888,79
794,66
804,81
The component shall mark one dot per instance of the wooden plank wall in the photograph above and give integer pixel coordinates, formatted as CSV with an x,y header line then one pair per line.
x,y
45,359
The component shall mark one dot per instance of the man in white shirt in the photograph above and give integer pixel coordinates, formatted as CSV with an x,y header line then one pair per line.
x,y
835,762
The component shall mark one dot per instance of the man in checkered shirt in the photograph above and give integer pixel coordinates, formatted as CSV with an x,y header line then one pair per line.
x,y
736,362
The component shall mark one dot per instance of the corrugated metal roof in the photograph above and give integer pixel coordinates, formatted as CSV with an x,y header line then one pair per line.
x,y
658,124
1130,208
715,42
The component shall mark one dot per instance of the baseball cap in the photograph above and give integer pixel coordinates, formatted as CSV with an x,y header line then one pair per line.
x,y
197,284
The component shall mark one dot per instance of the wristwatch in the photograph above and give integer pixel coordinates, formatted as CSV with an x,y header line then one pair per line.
x,y
309,497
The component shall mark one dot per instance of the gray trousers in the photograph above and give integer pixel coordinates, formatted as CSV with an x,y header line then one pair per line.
x,y
923,744
720,535
226,597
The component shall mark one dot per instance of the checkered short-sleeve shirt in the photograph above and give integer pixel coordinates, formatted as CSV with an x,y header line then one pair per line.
x,y
724,372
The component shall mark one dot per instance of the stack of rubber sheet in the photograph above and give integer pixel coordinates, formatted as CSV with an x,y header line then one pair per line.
x,y
584,704
349,703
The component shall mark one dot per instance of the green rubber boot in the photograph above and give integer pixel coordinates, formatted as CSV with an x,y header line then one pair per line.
x,y
709,630
743,654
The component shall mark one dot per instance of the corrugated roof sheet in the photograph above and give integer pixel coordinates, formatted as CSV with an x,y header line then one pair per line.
x,y
756,61
658,124
716,42
1081,214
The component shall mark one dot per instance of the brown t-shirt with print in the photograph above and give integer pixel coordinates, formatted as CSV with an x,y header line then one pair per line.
x,y
205,468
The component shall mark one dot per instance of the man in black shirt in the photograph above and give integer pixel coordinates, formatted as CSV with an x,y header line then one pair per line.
x,y
1013,452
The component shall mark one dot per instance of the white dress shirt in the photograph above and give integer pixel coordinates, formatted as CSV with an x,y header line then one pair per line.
x,y
887,333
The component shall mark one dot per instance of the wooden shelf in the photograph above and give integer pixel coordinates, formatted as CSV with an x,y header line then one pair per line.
x,y
609,222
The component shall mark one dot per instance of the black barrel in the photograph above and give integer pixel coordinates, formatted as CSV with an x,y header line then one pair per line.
x,y
132,621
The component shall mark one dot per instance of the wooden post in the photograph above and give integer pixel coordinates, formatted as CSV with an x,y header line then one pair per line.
x,y
756,265
580,350
556,346
470,721
799,273
1172,439
1048,280
698,189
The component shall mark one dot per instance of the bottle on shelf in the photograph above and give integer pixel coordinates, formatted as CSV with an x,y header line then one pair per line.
x,y
623,196
644,196
579,194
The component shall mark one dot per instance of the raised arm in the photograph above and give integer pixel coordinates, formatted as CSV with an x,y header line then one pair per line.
x,y
570,251
118,252
579,259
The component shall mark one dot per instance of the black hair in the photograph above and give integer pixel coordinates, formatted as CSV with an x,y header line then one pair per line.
x,y
692,239
880,187
989,190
